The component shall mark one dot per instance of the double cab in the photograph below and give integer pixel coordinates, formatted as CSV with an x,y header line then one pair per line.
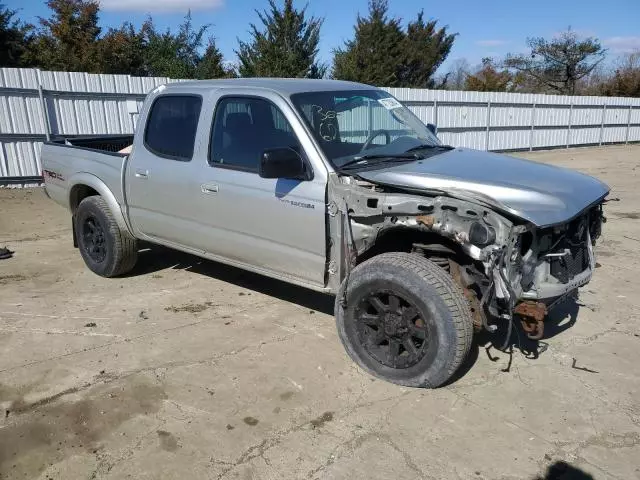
x,y
338,187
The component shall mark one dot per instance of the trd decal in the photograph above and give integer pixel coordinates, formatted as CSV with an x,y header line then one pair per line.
x,y
53,175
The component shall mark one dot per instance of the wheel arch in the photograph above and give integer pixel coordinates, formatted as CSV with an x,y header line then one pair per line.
x,y
84,185
404,239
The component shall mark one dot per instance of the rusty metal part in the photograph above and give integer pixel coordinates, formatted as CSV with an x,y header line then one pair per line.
x,y
532,315
472,299
534,310
426,220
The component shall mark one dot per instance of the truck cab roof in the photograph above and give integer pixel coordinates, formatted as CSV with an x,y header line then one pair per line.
x,y
284,86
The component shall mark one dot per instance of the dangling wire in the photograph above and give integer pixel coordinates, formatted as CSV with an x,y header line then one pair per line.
x,y
352,257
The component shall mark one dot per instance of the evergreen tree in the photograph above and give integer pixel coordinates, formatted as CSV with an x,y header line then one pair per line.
x,y
286,46
174,55
15,38
122,50
376,53
68,40
426,47
382,53
211,64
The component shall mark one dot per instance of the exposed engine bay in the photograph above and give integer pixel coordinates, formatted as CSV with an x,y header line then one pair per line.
x,y
505,266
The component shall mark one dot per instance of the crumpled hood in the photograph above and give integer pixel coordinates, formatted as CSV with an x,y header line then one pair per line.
x,y
542,194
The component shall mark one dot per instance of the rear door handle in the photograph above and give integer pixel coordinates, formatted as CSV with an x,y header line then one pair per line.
x,y
142,173
209,188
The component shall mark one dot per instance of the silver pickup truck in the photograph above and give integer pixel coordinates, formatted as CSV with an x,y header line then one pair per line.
x,y
338,187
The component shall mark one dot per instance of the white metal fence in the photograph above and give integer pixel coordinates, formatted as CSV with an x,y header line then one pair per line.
x,y
37,105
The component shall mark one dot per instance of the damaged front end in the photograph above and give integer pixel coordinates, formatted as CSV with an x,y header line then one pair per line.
x,y
505,266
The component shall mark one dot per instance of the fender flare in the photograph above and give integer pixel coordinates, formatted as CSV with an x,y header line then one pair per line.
x,y
99,186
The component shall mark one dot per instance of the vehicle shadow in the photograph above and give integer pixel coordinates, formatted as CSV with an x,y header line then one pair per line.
x,y
153,258
561,470
561,318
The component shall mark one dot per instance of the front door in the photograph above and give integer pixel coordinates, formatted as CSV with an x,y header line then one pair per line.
x,y
275,224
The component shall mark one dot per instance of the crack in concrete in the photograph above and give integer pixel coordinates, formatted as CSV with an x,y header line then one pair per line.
x,y
106,462
573,455
142,336
351,445
56,331
610,441
259,450
591,338
18,407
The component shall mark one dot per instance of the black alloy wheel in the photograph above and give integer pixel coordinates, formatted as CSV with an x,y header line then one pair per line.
x,y
391,329
93,238
404,319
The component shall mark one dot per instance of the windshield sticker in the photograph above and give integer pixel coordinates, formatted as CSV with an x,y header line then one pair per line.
x,y
389,103
327,128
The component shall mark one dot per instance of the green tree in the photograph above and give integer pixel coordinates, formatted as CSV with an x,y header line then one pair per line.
x,y
15,38
426,47
68,40
489,79
382,53
211,64
558,64
122,50
174,55
285,46
375,54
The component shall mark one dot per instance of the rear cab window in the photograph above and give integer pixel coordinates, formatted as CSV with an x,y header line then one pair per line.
x,y
172,125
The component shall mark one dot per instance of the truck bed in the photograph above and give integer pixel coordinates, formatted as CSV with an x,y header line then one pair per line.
x,y
94,159
104,143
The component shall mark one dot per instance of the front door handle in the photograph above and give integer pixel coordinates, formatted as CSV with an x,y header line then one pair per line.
x,y
142,173
209,188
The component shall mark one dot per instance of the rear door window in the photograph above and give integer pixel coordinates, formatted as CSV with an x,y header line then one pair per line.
x,y
172,125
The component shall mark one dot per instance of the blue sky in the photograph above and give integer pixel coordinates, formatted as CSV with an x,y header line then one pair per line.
x,y
486,28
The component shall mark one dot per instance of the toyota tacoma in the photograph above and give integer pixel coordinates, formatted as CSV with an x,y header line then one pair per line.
x,y
338,187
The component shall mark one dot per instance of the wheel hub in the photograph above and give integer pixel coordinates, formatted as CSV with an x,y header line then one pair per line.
x,y
391,330
394,326
94,239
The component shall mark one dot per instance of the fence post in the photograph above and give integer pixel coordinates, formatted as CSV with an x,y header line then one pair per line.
x,y
45,110
370,117
533,124
435,113
626,138
569,126
604,112
486,146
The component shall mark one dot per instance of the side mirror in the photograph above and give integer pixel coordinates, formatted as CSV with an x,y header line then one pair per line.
x,y
282,163
432,128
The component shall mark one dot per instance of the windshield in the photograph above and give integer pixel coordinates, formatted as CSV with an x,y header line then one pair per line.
x,y
355,123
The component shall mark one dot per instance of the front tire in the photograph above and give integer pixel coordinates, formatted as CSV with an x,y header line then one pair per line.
x,y
105,248
405,320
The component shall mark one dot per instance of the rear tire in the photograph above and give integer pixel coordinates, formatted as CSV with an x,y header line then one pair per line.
x,y
106,249
406,321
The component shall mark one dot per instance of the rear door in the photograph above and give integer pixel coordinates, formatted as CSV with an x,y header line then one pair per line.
x,y
162,174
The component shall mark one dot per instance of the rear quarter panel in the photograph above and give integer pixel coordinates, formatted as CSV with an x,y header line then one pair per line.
x,y
64,166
